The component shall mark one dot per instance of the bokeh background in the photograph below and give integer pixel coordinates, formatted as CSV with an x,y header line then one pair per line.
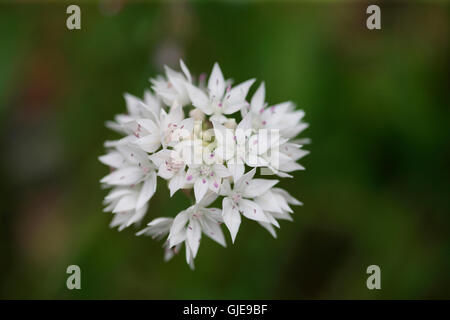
x,y
376,188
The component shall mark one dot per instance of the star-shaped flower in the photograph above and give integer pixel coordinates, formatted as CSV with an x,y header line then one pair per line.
x,y
237,200
189,225
221,98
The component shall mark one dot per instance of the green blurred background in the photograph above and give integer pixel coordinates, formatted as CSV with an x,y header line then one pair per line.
x,y
376,188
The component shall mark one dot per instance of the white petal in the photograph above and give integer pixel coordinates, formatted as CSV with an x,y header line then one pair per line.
x,y
214,184
120,220
161,156
257,187
176,79
179,222
177,238
169,253
137,216
271,219
185,71
153,104
269,202
257,102
230,109
293,150
224,138
157,228
113,159
238,93
148,125
281,202
124,176
149,143
225,188
280,173
115,143
236,169
225,150
117,193
302,141
252,210
211,228
132,104
242,182
187,125
246,123
175,113
290,199
178,226
216,82
200,188
231,217
191,174
282,216
133,155
215,214
259,143
269,228
193,235
220,170
255,161
244,112
165,173
177,182
160,221
189,257
126,203
218,118
290,166
199,99
147,190
209,198
110,207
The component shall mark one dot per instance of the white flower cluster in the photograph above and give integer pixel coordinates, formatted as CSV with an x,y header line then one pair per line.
x,y
206,138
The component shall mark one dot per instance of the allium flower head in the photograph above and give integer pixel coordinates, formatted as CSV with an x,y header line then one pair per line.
x,y
220,147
